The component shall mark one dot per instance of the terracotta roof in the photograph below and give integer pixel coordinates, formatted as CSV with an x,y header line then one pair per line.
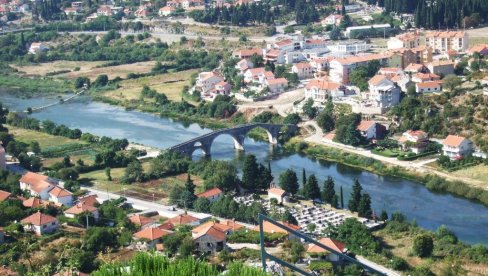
x,y
365,125
256,71
332,244
277,81
302,65
322,84
59,192
80,208
232,224
217,225
140,220
428,84
271,228
37,181
414,67
427,76
34,202
4,195
445,34
416,133
249,52
277,191
453,140
479,48
377,79
182,219
441,63
284,42
38,219
268,74
166,226
211,231
364,58
90,200
329,136
210,193
273,53
151,233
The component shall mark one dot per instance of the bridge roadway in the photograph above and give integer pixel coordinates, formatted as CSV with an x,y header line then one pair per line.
x,y
204,142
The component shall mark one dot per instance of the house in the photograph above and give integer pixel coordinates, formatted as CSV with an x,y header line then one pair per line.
x,y
244,64
383,95
390,71
340,68
166,11
206,81
90,200
336,246
275,56
406,40
209,239
37,184
371,130
413,68
333,19
104,10
414,140
40,223
278,194
263,78
148,237
247,53
72,11
270,228
81,208
456,147
482,49
61,196
184,219
253,74
37,47
320,63
303,69
428,86
5,195
142,221
277,85
421,77
423,54
222,88
234,226
35,202
3,157
441,67
227,229
212,195
443,41
320,90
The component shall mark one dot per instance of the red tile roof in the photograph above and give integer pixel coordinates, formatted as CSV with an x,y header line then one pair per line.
x,y
59,192
4,195
90,200
210,193
80,208
453,140
141,220
333,244
212,231
377,79
217,225
38,219
182,219
322,84
34,202
277,81
429,84
365,125
151,233
37,181
268,227
276,191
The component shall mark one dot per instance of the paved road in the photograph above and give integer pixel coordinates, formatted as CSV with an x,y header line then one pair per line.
x,y
376,266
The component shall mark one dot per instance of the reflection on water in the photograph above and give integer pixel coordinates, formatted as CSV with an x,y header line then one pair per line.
x,y
467,219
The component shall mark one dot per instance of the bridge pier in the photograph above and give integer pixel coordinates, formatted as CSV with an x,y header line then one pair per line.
x,y
239,141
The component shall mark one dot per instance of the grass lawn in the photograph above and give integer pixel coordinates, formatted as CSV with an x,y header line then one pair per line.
x,y
42,69
45,140
478,172
171,84
386,152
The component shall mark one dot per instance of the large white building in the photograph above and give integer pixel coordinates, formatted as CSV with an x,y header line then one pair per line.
x,y
340,68
442,42
320,89
406,40
207,80
45,188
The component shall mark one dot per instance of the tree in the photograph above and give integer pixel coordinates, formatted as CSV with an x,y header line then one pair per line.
x,y
451,82
311,227
100,238
383,215
133,173
34,147
346,130
309,109
423,245
364,206
189,186
355,196
101,80
107,174
311,190
250,172
329,191
326,121
289,181
342,199
202,204
304,177
186,247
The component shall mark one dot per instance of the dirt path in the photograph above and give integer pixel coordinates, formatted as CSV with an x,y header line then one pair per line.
x,y
283,104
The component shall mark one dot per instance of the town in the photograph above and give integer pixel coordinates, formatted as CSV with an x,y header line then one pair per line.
x,y
332,137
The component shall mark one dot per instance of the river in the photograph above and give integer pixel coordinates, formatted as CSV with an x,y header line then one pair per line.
x,y
467,219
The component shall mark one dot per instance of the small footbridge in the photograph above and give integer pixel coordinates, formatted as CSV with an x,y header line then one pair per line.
x,y
237,133
61,101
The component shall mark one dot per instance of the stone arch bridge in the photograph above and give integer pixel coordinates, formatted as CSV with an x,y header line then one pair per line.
x,y
238,134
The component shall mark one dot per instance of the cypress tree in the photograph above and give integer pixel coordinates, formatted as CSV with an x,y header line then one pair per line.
x,y
342,199
304,177
364,207
189,186
355,197
329,191
311,190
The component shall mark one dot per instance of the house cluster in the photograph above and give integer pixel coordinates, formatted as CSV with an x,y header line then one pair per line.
x,y
13,6
369,130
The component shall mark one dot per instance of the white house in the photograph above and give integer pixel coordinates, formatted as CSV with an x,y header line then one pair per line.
x,y
303,69
424,77
61,196
320,89
37,184
406,40
277,85
441,67
206,81
37,47
253,74
319,252
278,194
222,88
40,223
367,129
455,147
428,86
166,11
443,41
333,19
81,208
414,140
244,64
383,93
212,195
